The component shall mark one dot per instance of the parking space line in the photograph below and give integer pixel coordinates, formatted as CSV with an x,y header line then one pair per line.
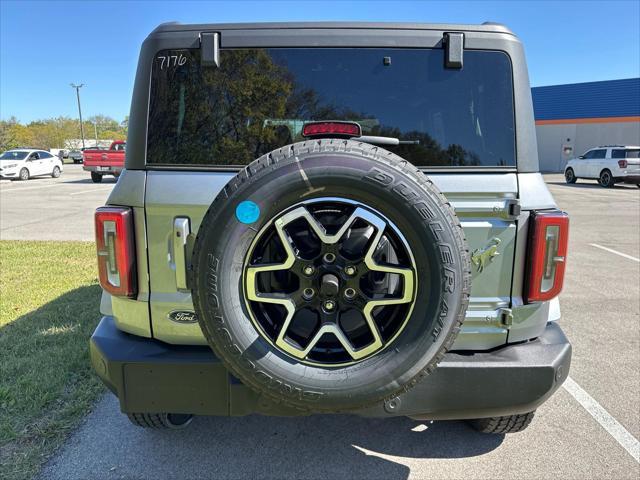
x,y
24,189
610,250
90,191
604,418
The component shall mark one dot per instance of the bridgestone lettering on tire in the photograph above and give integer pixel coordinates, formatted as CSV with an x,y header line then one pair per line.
x,y
341,280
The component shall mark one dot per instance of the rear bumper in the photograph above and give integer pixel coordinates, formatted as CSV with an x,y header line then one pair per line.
x,y
106,170
629,179
151,376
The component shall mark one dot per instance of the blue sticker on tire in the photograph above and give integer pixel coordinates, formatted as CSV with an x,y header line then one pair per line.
x,y
247,212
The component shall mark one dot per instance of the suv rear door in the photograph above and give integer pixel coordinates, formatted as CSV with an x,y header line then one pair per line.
x,y
465,118
176,201
632,156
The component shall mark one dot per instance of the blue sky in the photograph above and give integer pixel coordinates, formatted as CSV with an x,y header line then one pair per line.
x,y
46,45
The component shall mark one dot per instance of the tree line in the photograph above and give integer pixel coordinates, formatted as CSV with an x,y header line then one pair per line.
x,y
54,132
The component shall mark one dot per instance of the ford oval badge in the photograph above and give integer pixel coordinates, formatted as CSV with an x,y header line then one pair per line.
x,y
183,316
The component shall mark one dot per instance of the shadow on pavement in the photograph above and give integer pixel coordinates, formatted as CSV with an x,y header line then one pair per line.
x,y
321,446
31,180
107,446
618,186
88,181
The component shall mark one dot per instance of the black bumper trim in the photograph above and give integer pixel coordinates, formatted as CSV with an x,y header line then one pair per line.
x,y
152,376
629,179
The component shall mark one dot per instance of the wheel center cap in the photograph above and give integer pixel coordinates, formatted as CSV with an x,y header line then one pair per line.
x,y
329,285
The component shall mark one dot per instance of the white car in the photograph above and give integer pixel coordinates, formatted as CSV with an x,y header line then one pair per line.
x,y
24,163
609,164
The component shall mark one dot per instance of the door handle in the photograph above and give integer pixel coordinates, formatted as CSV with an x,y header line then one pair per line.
x,y
180,234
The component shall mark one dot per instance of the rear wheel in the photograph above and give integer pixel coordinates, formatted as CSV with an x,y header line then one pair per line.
x,y
174,421
501,425
570,176
96,177
24,174
56,172
606,179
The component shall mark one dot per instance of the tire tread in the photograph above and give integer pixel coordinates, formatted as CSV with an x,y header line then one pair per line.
x,y
501,425
147,420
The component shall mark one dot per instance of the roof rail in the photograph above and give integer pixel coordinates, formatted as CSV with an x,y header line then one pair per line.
x,y
496,24
604,146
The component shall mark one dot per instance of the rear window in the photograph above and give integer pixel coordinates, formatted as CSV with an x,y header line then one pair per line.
x,y
635,153
259,100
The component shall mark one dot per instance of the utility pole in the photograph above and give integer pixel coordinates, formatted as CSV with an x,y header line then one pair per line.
x,y
95,130
78,87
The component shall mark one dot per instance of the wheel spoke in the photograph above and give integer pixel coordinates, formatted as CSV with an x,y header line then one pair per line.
x,y
407,274
254,270
274,298
407,288
319,230
340,336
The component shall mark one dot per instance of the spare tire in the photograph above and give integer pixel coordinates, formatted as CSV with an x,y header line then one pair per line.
x,y
330,275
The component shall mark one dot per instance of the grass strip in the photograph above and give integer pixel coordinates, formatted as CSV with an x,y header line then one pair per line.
x,y
49,306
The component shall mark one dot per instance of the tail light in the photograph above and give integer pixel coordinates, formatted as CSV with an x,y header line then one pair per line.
x,y
346,129
622,163
549,236
116,250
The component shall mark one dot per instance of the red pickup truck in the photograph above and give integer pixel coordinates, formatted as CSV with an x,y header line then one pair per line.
x,y
104,162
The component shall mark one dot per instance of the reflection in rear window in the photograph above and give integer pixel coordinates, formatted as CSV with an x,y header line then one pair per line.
x,y
259,99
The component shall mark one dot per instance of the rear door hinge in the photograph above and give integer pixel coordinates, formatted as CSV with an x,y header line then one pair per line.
x,y
210,49
506,317
513,208
453,49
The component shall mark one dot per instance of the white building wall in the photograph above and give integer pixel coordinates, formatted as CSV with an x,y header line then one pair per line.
x,y
582,136
75,143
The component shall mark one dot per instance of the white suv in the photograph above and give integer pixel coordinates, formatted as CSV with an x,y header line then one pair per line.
x,y
609,164
27,163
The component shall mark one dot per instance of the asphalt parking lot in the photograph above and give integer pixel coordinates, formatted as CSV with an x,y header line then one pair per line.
x,y
570,437
45,208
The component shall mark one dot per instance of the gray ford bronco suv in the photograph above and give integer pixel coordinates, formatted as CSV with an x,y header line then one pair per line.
x,y
331,217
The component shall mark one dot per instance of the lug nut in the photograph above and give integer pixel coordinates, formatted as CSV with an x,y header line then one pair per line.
x,y
329,305
308,293
349,293
350,270
329,258
308,270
